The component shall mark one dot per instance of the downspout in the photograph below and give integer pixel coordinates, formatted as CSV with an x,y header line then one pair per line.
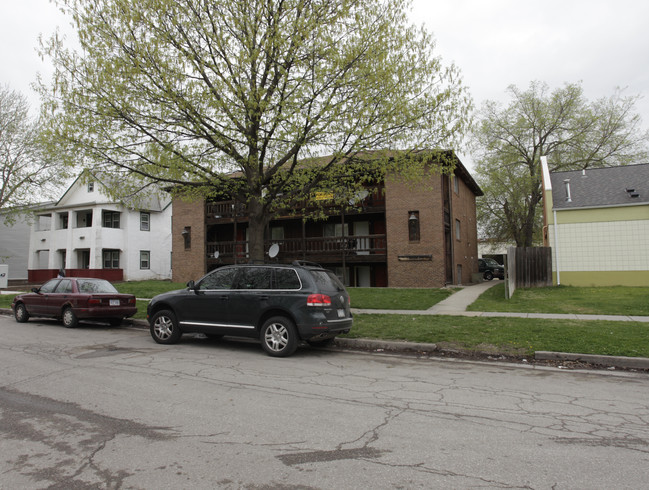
x,y
556,247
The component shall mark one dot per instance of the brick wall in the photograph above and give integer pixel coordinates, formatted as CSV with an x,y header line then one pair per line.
x,y
188,264
405,269
408,264
465,250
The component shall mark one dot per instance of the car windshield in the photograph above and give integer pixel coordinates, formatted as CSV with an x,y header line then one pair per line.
x,y
95,286
492,262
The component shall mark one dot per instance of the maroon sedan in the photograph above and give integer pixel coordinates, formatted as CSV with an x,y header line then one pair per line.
x,y
74,298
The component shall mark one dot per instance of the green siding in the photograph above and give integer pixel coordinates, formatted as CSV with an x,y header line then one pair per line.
x,y
603,278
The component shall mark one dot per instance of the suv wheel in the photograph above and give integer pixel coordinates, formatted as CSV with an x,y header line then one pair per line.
x,y
279,336
488,276
164,327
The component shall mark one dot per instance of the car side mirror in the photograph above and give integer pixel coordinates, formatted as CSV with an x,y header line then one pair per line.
x,y
191,285
36,290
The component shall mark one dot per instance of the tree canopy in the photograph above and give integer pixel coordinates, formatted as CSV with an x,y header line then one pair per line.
x,y
28,174
184,93
573,132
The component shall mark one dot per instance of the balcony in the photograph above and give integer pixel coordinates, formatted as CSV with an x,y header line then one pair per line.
x,y
226,211
356,248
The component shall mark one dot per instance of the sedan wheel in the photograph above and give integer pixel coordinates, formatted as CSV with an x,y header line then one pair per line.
x,y
279,337
21,313
164,327
70,320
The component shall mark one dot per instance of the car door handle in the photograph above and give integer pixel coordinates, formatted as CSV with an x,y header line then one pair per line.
x,y
225,297
264,297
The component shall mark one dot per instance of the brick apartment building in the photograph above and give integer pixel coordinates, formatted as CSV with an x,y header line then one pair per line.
x,y
400,234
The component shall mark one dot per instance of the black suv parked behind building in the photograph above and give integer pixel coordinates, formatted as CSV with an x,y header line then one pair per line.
x,y
279,304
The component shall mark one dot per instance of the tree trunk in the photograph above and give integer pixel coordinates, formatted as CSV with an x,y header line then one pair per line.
x,y
256,230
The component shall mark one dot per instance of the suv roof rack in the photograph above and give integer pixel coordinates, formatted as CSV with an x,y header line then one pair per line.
x,y
306,263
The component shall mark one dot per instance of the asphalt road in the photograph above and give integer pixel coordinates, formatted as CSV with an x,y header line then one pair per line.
x,y
97,407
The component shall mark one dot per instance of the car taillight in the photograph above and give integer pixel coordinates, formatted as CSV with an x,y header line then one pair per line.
x,y
131,301
94,301
318,300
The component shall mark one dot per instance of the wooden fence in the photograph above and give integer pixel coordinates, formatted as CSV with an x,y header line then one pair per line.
x,y
528,267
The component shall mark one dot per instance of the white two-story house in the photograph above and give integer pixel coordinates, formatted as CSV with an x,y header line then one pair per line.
x,y
88,234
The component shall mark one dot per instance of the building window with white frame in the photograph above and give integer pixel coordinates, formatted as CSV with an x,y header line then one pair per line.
x,y
111,259
145,221
145,259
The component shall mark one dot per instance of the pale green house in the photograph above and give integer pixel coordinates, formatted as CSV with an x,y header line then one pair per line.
x,y
597,224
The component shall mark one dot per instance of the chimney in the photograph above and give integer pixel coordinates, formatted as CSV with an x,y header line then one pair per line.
x,y
567,184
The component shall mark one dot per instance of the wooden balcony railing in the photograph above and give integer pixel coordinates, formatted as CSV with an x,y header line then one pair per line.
x,y
375,200
306,248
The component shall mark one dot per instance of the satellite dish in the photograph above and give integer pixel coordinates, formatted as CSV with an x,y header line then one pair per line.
x,y
273,250
216,254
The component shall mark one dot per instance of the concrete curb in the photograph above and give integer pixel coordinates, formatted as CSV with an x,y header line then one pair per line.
x,y
419,347
609,361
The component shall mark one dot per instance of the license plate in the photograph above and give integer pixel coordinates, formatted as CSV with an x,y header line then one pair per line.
x,y
114,302
341,313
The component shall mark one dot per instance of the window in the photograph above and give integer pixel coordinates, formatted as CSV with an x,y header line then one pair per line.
x,y
277,233
254,278
145,221
219,279
456,185
187,237
111,219
286,279
458,230
49,286
413,226
91,186
65,286
145,259
111,259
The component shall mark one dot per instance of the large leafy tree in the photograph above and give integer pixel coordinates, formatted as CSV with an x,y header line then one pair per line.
x,y
27,173
184,92
573,132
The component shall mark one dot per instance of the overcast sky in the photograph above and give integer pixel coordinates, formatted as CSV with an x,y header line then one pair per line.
x,y
602,43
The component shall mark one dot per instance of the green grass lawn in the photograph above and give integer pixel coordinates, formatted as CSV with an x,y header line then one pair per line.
x,y
616,300
509,336
397,299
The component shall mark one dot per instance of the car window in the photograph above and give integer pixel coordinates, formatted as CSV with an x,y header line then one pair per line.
x,y
65,286
326,280
254,278
219,279
287,279
95,286
49,286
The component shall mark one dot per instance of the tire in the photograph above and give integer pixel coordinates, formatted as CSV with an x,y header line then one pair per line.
x,y
70,320
21,313
278,336
164,327
115,322
488,276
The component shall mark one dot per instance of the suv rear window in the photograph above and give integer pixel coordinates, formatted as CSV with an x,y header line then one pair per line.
x,y
327,280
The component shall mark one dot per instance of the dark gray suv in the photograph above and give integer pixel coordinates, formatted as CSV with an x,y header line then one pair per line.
x,y
278,304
